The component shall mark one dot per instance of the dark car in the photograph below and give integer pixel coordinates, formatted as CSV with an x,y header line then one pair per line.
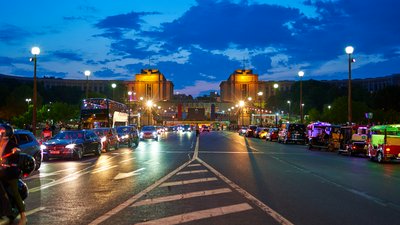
x,y
293,133
108,137
148,132
186,128
72,144
272,134
128,135
28,144
205,128
251,130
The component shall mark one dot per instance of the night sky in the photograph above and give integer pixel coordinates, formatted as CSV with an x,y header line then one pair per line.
x,y
198,44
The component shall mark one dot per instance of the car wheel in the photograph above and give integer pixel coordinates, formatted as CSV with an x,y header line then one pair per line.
x,y
379,157
78,154
38,161
98,150
107,148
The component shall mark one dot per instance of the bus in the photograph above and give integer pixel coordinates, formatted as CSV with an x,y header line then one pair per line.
x,y
103,112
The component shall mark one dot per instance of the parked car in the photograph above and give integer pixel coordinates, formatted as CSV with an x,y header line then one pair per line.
x,y
242,130
385,143
28,144
148,132
72,144
186,128
272,134
108,137
256,133
128,135
250,131
205,128
293,133
263,133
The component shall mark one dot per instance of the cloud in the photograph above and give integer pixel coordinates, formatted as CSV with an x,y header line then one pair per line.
x,y
67,55
199,87
13,35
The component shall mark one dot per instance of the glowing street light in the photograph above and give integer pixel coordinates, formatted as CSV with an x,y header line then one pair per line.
x,y
301,74
87,74
289,102
113,85
35,52
349,51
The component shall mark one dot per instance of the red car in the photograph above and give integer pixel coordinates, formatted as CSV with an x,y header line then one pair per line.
x,y
272,134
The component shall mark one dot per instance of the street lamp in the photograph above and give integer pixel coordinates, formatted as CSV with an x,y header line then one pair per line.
x,y
28,100
35,52
288,102
349,51
87,74
149,104
113,85
129,106
301,74
260,93
241,104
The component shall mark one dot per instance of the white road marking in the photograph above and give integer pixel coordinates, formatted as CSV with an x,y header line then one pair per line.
x,y
192,172
198,215
279,218
181,196
184,182
67,178
193,165
126,160
126,175
227,152
137,196
103,168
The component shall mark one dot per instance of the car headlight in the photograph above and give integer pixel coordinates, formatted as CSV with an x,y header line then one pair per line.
x,y
70,146
103,139
154,134
43,147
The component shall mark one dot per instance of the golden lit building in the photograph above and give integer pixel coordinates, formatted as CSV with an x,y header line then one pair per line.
x,y
242,84
151,84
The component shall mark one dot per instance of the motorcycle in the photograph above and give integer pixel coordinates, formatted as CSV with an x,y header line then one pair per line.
x,y
26,166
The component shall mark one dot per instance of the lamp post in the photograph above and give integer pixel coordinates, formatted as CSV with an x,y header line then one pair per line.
x,y
35,52
260,94
241,104
149,104
301,74
129,106
349,51
28,100
113,85
289,102
87,74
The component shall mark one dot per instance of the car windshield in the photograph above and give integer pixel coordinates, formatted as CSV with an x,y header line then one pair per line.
x,y
69,135
148,128
123,130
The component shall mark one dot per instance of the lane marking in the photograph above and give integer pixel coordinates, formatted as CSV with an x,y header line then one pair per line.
x,y
126,160
130,174
193,165
184,182
134,198
192,172
279,218
103,168
198,215
67,178
181,196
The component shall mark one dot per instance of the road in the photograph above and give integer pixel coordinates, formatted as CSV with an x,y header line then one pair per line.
x,y
219,178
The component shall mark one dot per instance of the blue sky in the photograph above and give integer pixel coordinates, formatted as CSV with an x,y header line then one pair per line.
x,y
199,43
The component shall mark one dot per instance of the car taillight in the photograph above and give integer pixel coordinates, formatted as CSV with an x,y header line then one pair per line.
x,y
388,149
353,147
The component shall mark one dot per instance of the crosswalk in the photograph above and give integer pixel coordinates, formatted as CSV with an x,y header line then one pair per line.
x,y
195,193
